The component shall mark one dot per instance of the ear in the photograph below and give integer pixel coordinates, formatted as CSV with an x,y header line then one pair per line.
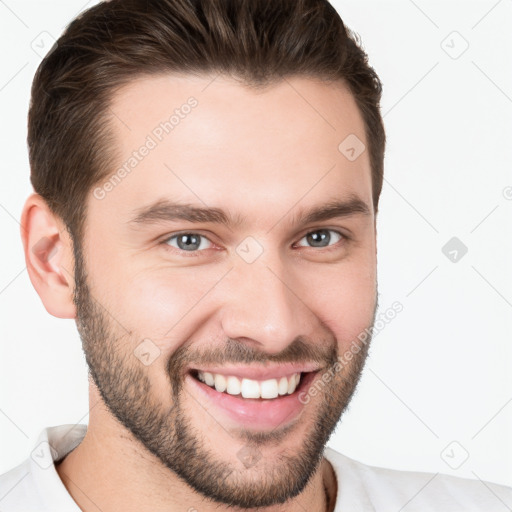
x,y
48,256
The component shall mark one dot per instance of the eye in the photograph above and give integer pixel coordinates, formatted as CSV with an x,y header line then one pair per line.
x,y
193,243
322,237
190,242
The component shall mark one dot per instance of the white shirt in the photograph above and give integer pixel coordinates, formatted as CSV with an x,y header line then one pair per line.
x,y
35,486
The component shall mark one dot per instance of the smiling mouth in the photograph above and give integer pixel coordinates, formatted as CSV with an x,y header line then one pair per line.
x,y
252,389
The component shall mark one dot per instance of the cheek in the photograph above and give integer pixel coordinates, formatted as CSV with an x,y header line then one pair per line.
x,y
159,308
160,302
344,298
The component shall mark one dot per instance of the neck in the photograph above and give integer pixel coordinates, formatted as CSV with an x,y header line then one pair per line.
x,y
110,470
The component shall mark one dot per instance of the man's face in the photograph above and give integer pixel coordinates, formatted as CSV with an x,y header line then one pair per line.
x,y
265,297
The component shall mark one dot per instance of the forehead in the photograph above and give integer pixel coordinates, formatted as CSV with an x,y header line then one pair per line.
x,y
210,140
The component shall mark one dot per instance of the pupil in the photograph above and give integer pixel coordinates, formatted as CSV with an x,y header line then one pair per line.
x,y
318,237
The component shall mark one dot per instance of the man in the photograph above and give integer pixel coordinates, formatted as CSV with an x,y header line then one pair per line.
x,y
207,177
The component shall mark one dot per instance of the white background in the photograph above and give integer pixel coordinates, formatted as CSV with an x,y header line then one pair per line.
x,y
439,372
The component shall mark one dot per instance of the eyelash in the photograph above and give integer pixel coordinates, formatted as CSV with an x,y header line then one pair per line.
x,y
199,251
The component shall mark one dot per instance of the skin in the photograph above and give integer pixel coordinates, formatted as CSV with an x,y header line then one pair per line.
x,y
152,442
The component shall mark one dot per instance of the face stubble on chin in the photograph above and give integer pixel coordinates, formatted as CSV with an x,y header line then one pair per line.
x,y
171,436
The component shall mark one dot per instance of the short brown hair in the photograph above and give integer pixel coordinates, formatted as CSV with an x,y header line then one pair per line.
x,y
255,41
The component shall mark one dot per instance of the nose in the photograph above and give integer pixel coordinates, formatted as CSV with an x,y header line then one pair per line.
x,y
261,306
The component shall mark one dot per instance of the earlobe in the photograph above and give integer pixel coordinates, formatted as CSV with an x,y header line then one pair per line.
x,y
48,256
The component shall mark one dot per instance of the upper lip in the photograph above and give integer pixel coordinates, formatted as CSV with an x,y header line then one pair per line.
x,y
261,373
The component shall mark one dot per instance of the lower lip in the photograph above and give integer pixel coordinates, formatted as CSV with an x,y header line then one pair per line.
x,y
256,412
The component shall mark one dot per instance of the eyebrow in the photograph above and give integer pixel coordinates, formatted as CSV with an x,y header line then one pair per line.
x,y
166,210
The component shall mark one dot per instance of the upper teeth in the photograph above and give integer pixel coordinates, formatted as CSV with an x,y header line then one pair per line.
x,y
250,388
